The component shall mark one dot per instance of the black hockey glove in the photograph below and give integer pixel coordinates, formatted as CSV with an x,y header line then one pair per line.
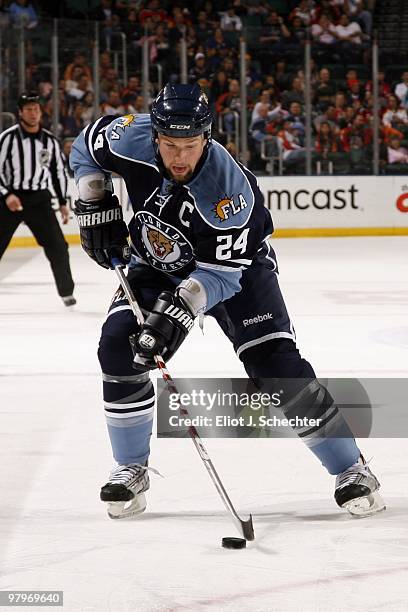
x,y
103,231
163,331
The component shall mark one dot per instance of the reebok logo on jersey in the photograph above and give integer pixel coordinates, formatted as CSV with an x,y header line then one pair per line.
x,y
257,319
180,315
99,218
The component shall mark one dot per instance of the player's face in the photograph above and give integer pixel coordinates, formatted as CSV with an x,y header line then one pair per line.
x,y
31,114
181,155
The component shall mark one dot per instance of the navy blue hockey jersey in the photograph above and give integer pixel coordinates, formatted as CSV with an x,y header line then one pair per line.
x,y
210,228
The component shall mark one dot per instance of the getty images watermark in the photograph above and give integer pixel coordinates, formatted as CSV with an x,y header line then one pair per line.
x,y
249,406
282,407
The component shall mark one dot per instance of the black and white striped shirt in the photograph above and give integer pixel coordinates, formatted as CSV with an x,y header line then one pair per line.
x,y
31,162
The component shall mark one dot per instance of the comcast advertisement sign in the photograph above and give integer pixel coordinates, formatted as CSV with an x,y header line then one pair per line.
x,y
336,202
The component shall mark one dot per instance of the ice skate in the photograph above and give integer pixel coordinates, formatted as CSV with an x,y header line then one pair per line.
x,y
125,491
357,490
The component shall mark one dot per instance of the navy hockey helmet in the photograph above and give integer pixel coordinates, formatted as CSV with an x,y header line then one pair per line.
x,y
28,97
181,111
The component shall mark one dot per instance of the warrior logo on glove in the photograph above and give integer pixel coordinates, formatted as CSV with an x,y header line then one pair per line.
x,y
147,341
181,316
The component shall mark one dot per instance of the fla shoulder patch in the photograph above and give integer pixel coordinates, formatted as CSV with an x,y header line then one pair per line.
x,y
130,137
222,192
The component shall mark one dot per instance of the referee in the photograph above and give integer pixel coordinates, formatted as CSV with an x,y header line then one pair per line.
x,y
31,158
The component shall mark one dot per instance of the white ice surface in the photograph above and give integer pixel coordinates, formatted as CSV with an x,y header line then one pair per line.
x,y
348,298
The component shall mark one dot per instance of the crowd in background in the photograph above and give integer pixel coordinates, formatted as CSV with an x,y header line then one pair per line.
x,y
276,31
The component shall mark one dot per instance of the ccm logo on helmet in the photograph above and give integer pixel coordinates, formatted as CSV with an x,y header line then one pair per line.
x,y
174,126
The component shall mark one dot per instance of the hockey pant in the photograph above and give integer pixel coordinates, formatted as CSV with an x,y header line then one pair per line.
x,y
257,323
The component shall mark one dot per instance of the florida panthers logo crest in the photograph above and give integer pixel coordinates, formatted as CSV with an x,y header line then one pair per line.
x,y
165,247
161,244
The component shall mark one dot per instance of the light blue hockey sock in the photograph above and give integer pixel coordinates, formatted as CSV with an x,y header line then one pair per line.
x,y
129,404
336,454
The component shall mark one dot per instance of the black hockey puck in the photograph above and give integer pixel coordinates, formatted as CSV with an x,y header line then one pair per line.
x,y
235,543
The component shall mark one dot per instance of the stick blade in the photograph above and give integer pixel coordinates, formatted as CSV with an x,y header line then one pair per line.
x,y
246,529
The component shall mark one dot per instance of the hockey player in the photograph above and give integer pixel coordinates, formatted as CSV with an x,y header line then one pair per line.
x,y
199,243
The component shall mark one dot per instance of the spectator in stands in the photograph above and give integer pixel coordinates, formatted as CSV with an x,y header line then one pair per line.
x,y
216,49
384,89
328,116
356,11
295,94
152,11
228,105
348,119
296,113
275,111
113,105
325,89
357,136
240,8
202,27
230,68
78,61
132,90
179,17
105,64
270,84
76,75
395,115
293,151
105,11
259,125
136,107
395,152
88,107
230,21
108,83
298,32
130,25
327,140
111,32
281,75
349,38
401,90
324,37
161,40
23,12
274,37
355,90
329,8
305,11
387,133
73,124
262,131
80,89
340,102
199,70
219,85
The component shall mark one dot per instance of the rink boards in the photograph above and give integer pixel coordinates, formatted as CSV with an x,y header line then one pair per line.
x,y
304,206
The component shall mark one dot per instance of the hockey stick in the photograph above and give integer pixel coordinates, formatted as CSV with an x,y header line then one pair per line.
x,y
245,528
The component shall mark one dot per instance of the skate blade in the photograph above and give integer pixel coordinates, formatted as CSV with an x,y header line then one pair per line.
x,y
365,506
121,510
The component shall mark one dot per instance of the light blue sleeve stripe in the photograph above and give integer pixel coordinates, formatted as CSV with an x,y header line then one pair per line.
x,y
219,286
